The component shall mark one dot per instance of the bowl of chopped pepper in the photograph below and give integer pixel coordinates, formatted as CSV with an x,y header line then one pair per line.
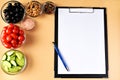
x,y
49,7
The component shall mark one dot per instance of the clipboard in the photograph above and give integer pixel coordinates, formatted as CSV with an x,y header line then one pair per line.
x,y
81,36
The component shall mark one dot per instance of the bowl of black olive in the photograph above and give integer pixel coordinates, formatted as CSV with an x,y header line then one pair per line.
x,y
12,12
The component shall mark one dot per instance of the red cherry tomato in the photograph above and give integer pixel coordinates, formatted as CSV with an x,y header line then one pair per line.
x,y
16,27
14,36
14,45
3,32
7,45
5,28
21,32
8,38
21,38
13,41
15,31
4,36
11,26
20,42
3,40
9,31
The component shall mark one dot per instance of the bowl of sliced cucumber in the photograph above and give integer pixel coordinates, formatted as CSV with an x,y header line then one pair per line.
x,y
13,62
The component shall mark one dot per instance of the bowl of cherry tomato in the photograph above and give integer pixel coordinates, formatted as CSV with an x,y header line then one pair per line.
x,y
12,36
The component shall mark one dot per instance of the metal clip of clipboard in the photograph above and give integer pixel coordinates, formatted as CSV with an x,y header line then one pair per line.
x,y
81,10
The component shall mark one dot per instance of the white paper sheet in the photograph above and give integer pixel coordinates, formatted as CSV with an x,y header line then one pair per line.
x,y
81,41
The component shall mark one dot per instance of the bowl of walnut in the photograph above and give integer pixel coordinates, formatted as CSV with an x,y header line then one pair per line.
x,y
33,8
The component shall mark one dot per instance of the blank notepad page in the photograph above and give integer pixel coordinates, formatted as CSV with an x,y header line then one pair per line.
x,y
81,40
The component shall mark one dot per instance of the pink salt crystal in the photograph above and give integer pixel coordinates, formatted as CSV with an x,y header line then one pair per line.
x,y
28,24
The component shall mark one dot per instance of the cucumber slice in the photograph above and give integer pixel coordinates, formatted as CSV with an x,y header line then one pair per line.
x,y
5,69
19,54
12,57
20,62
4,57
15,69
10,52
8,58
6,64
13,63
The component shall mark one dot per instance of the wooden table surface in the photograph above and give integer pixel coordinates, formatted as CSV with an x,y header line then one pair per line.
x,y
39,48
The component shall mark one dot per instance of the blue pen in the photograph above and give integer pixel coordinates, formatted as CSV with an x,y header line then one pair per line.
x,y
60,55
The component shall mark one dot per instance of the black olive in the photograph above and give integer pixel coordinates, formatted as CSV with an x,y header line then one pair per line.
x,y
12,18
11,13
9,21
16,15
14,21
9,5
7,16
19,17
16,10
21,14
13,8
21,9
17,4
9,8
5,10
